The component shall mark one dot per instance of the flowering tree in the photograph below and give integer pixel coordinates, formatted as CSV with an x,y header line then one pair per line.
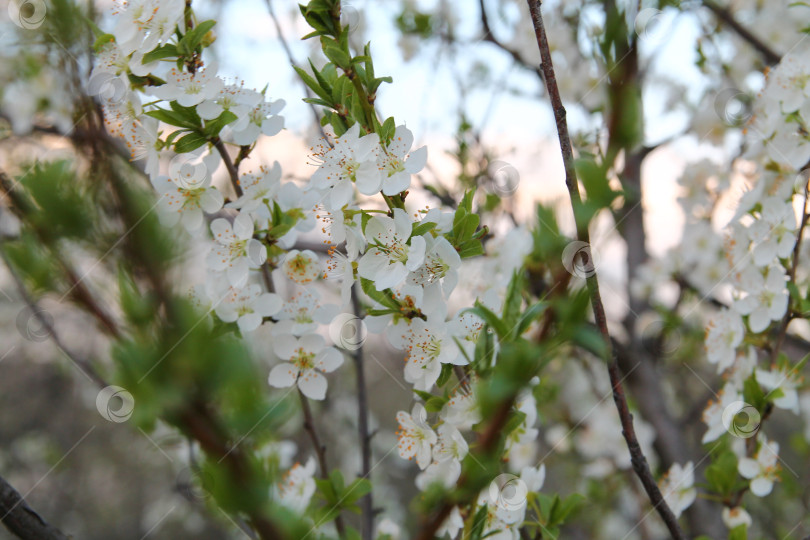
x,y
230,302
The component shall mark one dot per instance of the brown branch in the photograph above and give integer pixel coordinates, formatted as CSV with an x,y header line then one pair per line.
x,y
490,37
21,519
233,172
366,503
22,208
638,460
320,453
39,313
770,56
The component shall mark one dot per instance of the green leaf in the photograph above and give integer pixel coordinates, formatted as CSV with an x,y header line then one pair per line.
x,y
594,178
591,340
387,130
471,248
491,319
213,127
529,316
314,86
426,396
444,376
513,300
334,53
419,229
189,142
740,532
435,403
173,118
194,37
384,298
722,473
355,491
566,507
101,41
166,51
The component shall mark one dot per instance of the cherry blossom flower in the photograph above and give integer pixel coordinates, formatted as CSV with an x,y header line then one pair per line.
x,y
303,312
344,225
734,517
351,159
248,306
534,477
773,234
234,98
428,347
766,297
784,379
396,165
235,250
416,437
144,24
713,414
678,487
185,194
389,257
502,521
444,473
298,486
306,359
140,137
452,525
440,269
339,268
461,410
262,119
302,266
763,469
724,334
388,530
258,191
189,89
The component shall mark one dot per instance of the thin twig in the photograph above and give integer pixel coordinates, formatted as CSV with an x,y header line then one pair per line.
x,y
320,453
490,37
638,459
289,54
366,503
770,56
233,172
21,208
39,313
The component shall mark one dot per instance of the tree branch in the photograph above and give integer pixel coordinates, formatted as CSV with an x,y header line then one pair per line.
x,y
21,519
366,503
320,453
638,459
289,54
233,172
770,56
490,37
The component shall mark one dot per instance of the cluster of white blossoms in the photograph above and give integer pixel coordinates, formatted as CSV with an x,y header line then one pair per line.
x,y
749,265
405,262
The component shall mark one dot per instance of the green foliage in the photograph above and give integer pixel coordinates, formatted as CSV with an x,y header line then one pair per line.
x,y
196,131
33,261
339,496
59,205
414,22
555,511
721,475
465,236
